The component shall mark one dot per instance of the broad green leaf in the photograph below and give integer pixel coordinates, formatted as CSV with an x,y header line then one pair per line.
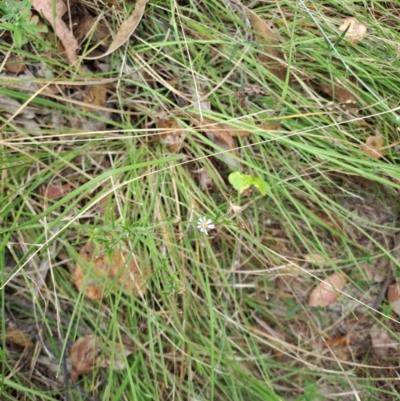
x,y
241,182
261,185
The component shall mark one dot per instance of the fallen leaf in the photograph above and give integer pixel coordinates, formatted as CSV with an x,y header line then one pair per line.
x,y
393,297
331,221
95,97
315,258
205,180
14,64
120,267
222,132
84,29
266,37
55,191
11,106
340,341
326,292
338,93
171,133
85,355
88,353
53,15
126,29
18,337
356,30
380,340
269,127
219,133
378,271
374,147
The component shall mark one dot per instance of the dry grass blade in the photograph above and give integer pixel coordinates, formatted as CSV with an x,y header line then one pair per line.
x,y
266,37
126,29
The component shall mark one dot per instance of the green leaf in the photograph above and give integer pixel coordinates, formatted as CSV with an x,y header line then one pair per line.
x,y
262,186
18,38
241,182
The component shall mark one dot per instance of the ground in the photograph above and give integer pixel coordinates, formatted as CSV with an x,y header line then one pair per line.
x,y
199,200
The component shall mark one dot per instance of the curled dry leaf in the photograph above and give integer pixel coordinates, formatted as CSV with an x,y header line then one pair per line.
x,y
356,30
393,297
120,267
88,353
53,15
95,97
171,133
85,355
18,337
327,291
374,147
266,37
380,340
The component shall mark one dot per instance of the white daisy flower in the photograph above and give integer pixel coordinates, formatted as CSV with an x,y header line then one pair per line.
x,y
203,225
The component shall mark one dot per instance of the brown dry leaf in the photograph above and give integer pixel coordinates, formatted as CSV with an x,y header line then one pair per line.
x,y
205,180
56,191
326,292
53,15
331,221
269,127
268,38
356,31
171,133
18,337
378,271
380,340
126,29
122,267
95,97
393,297
85,26
85,355
222,132
338,94
15,64
340,341
315,258
374,147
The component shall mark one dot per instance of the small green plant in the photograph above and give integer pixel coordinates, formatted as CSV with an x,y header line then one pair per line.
x,y
241,182
14,17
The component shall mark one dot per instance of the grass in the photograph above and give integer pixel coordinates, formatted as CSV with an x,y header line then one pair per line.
x,y
226,315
